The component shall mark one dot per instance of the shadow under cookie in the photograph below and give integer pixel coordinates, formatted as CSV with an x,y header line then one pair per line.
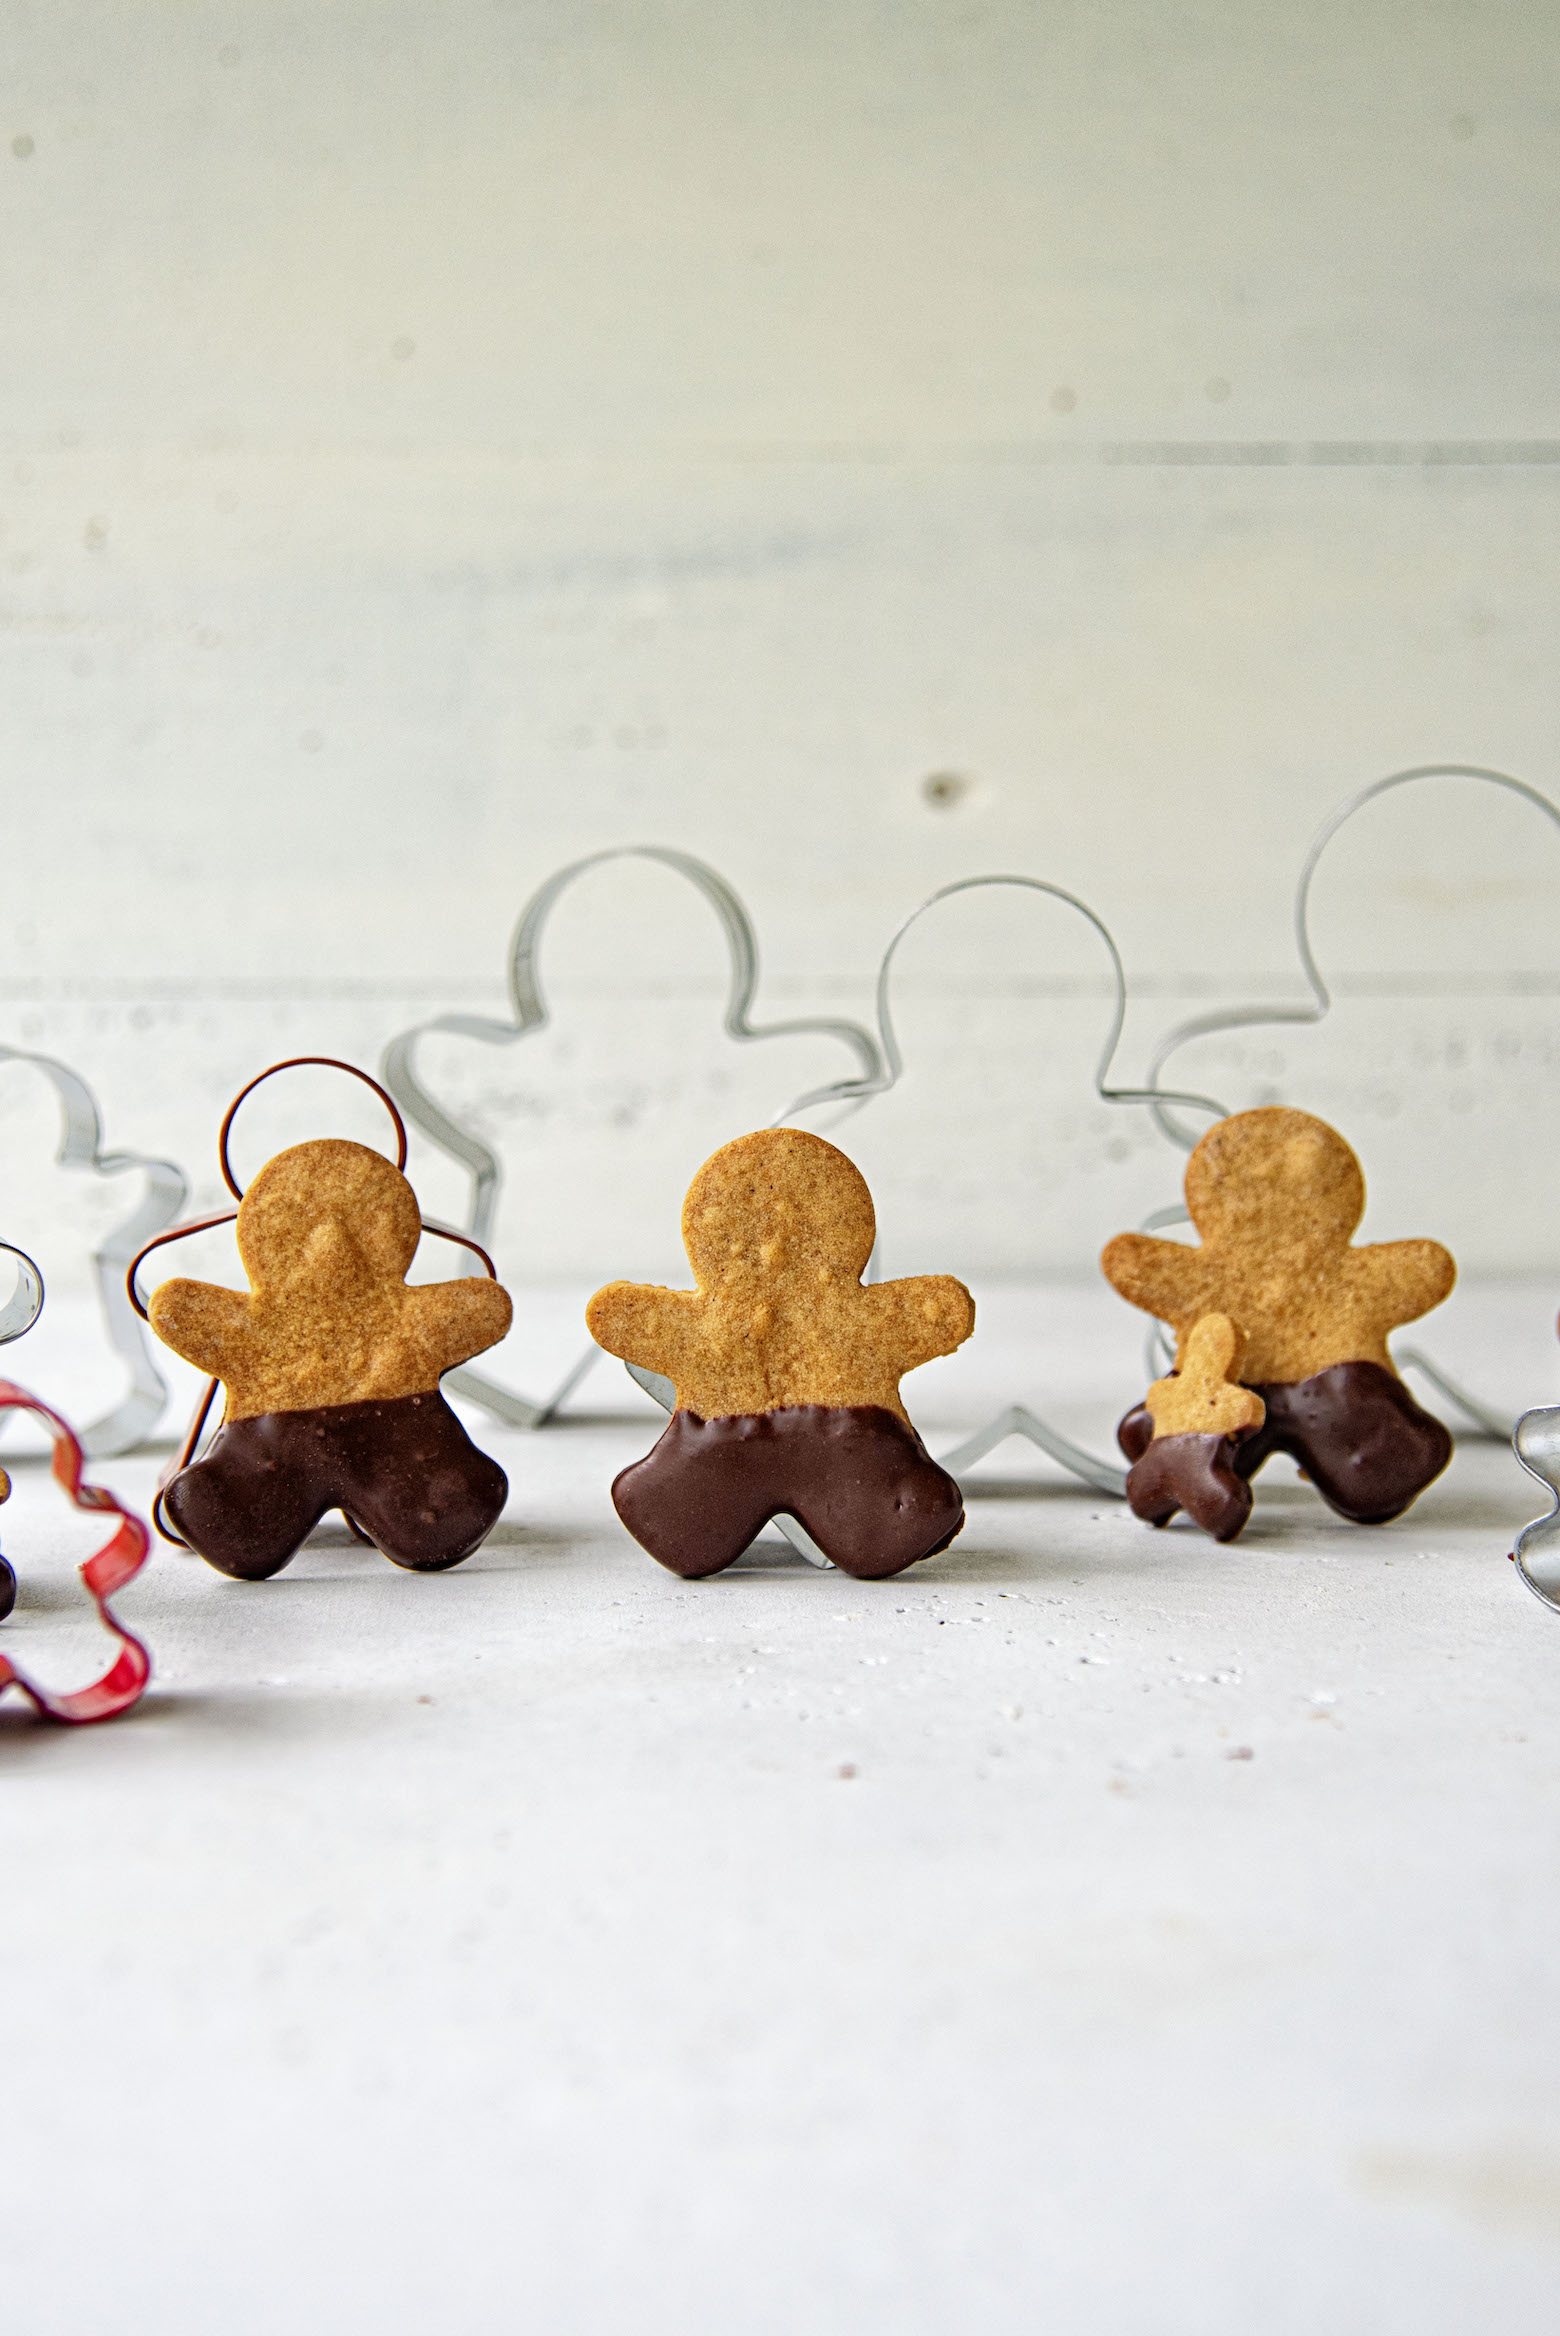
x,y
403,1470
856,1476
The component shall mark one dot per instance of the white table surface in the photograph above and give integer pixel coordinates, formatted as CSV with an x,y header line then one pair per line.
x,y
1093,1929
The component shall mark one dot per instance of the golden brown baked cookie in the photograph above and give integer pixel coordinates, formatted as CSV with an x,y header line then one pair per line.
x,y
786,1371
778,1228
1204,1398
326,1233
332,1367
1275,1196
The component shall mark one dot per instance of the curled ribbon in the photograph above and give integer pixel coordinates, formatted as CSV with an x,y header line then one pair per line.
x,y
107,1571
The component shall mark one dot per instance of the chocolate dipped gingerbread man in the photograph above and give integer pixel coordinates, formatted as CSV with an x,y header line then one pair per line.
x,y
332,1366
787,1371
1275,1196
1199,1416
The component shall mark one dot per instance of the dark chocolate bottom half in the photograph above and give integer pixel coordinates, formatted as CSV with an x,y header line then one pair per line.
x,y
1354,1428
1194,1473
405,1473
857,1477
7,1589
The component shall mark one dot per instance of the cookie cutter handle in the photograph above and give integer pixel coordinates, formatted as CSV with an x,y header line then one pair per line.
x,y
23,1307
294,1062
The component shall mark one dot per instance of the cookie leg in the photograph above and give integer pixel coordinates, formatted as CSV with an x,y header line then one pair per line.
x,y
702,1494
408,1475
872,1496
252,1502
7,1589
1194,1473
1361,1438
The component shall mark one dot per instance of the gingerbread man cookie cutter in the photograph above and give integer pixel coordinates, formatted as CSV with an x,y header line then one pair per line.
x,y
1536,1442
166,1190
1015,1419
1484,1420
104,1574
530,1012
370,1336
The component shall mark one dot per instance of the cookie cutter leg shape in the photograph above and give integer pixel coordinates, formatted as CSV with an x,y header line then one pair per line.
x,y
1016,1419
1536,1442
166,1188
106,1572
531,1012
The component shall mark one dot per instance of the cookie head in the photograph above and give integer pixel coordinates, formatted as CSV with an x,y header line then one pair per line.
x,y
1275,1175
332,1193
778,1203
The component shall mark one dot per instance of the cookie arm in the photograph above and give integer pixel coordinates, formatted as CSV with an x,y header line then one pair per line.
x,y
1409,1277
928,1315
1163,1277
459,1319
201,1321
641,1324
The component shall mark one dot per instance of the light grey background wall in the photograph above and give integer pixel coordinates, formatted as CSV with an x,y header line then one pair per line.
x,y
438,441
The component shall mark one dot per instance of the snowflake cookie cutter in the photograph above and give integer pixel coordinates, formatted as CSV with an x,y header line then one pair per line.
x,y
530,1013
104,1574
81,1146
1484,1420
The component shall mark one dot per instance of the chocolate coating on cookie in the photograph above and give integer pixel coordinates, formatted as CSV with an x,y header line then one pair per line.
x,y
1360,1437
404,1471
1195,1473
856,1476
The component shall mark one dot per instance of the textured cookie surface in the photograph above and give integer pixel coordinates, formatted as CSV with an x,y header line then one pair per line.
x,y
1275,1196
326,1233
1203,1399
778,1228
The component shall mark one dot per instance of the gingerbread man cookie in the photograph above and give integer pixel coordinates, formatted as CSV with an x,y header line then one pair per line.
x,y
1275,1196
1199,1417
332,1366
787,1371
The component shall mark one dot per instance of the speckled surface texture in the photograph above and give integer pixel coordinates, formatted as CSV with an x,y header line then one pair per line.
x,y
1093,1929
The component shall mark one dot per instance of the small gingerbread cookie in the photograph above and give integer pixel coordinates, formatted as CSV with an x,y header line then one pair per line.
x,y
1275,1196
332,1367
1199,1417
787,1371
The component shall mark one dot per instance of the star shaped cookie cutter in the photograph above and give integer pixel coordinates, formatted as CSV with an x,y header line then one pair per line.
x,y
398,1069
81,1146
1484,1419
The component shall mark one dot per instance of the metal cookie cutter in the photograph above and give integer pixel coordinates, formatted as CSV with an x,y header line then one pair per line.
x,y
1016,1419
530,1013
161,1240
1484,1419
166,1190
107,1571
1536,1442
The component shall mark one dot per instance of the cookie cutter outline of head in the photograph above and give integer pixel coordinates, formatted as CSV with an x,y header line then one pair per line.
x,y
23,1307
1485,1421
1536,1442
162,1239
132,1419
531,1012
1016,1419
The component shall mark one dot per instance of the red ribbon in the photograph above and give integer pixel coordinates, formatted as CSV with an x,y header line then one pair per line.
x,y
105,1572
